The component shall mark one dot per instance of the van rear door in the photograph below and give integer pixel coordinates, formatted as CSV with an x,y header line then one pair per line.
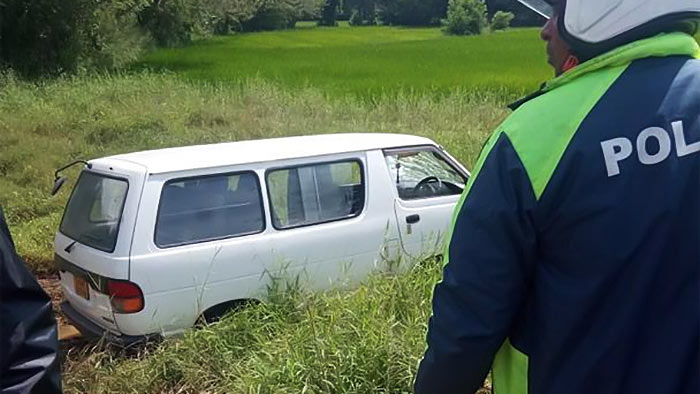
x,y
93,243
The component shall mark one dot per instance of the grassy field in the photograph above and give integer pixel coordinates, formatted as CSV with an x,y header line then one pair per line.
x,y
43,126
304,81
368,61
366,340
311,80
308,81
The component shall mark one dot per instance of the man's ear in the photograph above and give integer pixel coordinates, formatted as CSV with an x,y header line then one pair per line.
x,y
571,61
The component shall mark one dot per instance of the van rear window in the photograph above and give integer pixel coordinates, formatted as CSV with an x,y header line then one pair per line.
x,y
208,208
94,211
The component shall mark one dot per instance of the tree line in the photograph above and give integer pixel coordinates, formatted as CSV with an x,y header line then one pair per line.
x,y
40,37
414,12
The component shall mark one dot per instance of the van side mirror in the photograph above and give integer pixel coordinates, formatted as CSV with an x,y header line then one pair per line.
x,y
60,180
57,185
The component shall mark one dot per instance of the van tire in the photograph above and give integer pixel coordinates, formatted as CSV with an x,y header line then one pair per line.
x,y
216,312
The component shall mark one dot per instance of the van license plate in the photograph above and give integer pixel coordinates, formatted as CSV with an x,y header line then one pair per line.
x,y
81,287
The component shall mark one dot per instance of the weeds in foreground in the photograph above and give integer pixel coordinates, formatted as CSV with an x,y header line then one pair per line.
x,y
359,341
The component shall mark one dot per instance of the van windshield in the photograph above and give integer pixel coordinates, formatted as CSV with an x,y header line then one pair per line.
x,y
94,211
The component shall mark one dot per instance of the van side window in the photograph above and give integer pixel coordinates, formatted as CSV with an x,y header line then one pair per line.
x,y
302,196
208,208
423,172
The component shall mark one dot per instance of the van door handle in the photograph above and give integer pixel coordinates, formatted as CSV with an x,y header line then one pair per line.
x,y
412,219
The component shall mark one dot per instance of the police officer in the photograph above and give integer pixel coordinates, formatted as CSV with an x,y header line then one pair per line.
x,y
28,333
574,260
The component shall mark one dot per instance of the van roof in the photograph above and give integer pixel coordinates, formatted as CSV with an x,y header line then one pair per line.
x,y
256,151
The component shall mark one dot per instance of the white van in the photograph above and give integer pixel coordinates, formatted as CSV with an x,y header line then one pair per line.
x,y
152,241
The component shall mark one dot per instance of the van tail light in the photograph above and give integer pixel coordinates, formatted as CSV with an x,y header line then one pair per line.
x,y
126,297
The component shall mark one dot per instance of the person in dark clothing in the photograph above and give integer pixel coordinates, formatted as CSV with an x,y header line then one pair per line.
x,y
573,265
28,335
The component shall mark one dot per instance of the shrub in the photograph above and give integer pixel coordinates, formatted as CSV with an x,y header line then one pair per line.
x,y
329,12
364,12
275,15
114,37
355,19
523,16
465,17
41,36
171,23
311,9
501,20
51,37
411,12
226,16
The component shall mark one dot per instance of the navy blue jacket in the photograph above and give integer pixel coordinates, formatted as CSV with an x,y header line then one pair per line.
x,y
574,260
28,332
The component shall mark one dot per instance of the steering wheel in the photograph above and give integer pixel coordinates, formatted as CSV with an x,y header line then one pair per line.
x,y
425,182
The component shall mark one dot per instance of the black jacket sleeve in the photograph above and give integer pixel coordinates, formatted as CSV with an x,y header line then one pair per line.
x,y
28,335
485,281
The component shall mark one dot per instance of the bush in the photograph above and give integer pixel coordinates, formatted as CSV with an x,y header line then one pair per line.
x,y
311,9
355,19
275,15
171,23
501,20
364,12
523,16
329,12
42,36
412,12
465,17
226,16
50,37
114,36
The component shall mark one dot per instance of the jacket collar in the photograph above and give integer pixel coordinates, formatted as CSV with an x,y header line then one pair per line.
x,y
671,44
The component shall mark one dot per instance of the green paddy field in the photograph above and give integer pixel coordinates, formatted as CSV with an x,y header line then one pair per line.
x,y
367,61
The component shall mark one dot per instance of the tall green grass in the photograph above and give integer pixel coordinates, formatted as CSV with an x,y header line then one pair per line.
x,y
452,90
367,340
45,125
368,61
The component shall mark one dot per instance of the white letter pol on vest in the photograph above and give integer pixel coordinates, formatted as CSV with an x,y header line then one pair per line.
x,y
617,150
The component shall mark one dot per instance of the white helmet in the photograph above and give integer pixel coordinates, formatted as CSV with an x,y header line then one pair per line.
x,y
592,27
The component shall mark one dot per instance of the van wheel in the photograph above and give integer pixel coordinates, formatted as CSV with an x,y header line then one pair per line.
x,y
216,312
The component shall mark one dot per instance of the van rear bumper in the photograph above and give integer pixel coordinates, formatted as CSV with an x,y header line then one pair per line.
x,y
90,329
